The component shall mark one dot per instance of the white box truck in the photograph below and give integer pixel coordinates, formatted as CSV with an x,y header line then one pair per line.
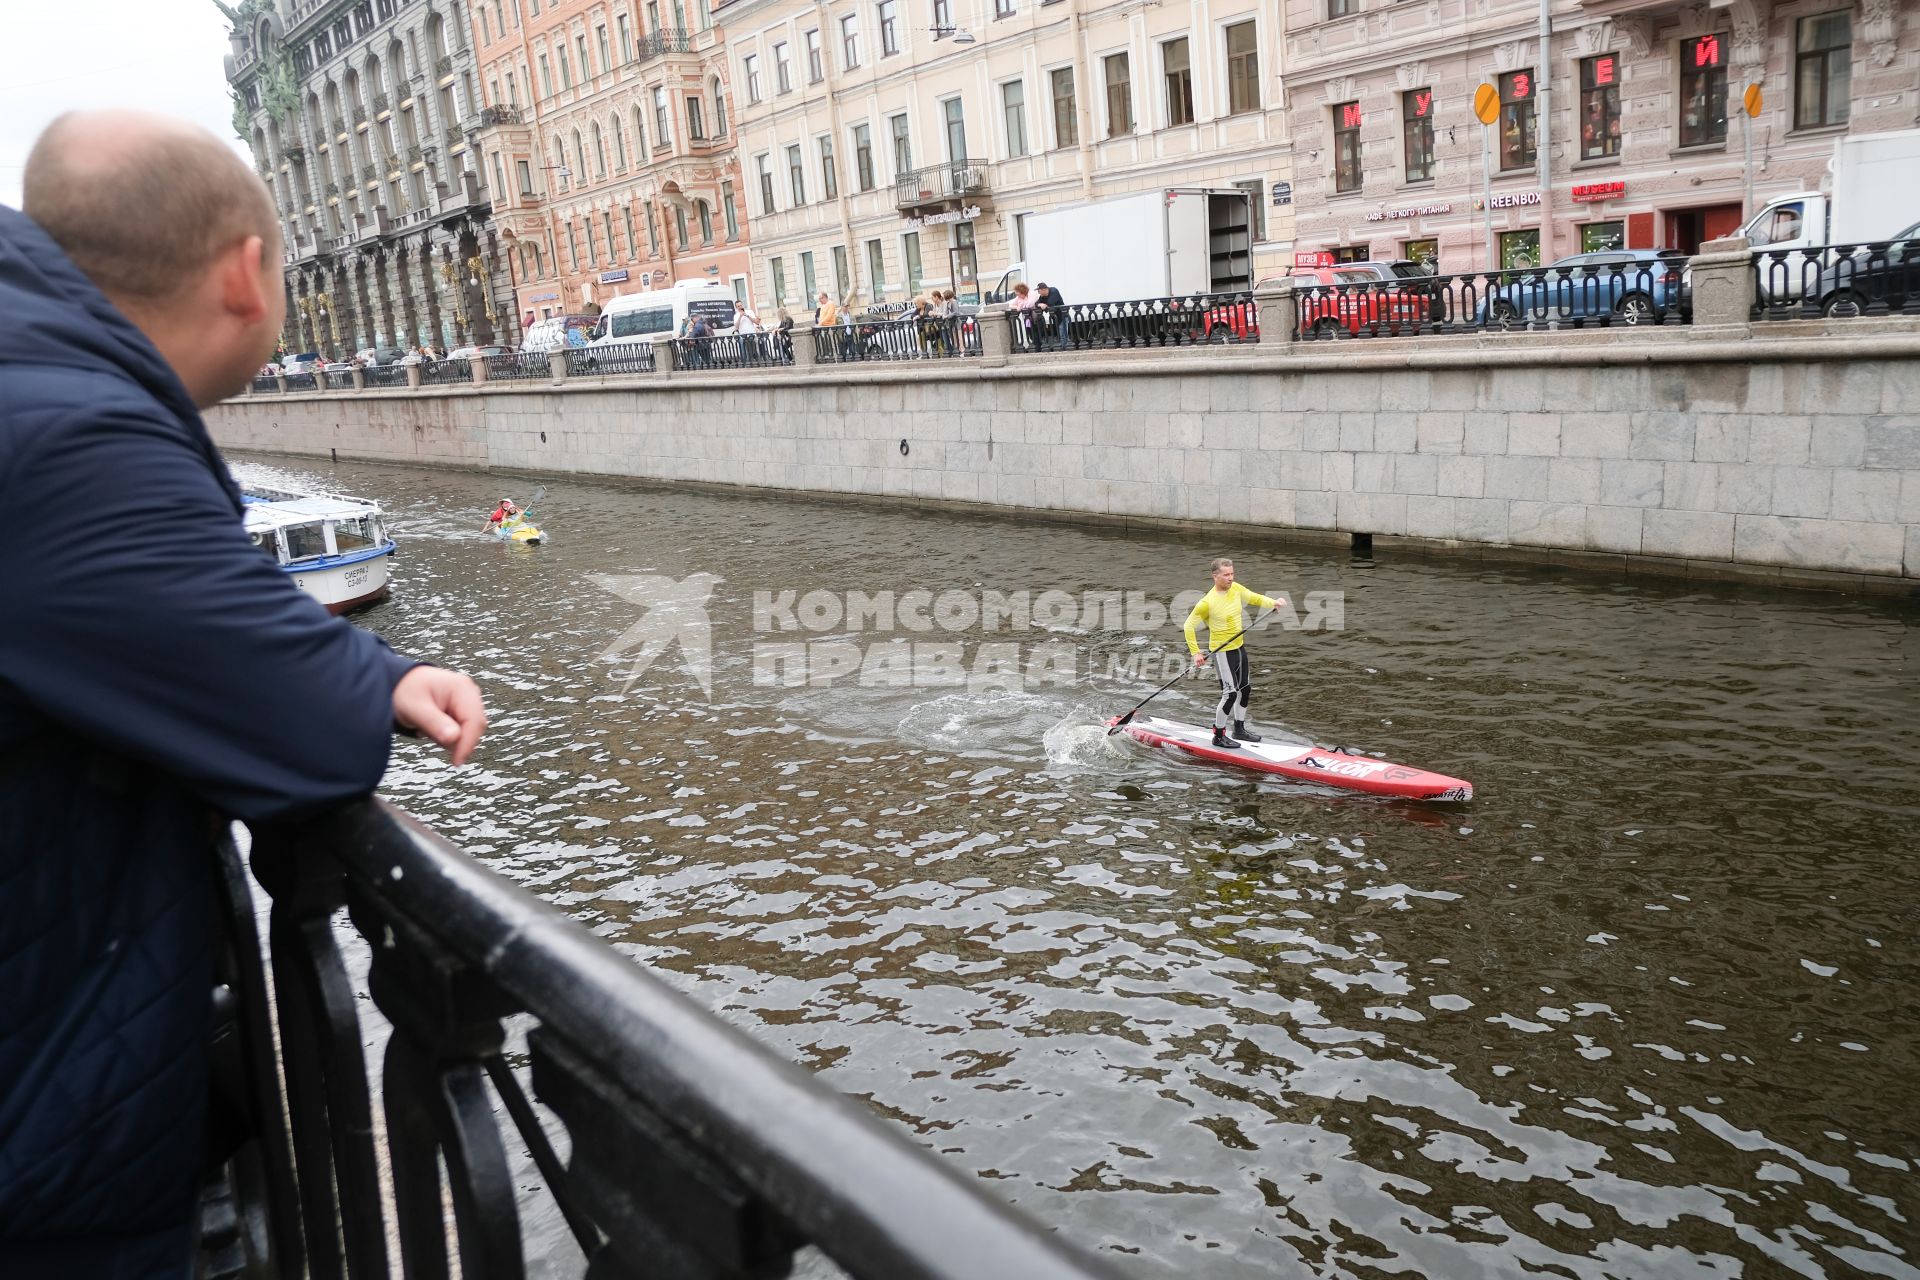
x,y
1874,194
1169,242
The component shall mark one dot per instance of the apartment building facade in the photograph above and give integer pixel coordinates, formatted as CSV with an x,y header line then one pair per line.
x,y
607,134
359,115
892,146
1630,130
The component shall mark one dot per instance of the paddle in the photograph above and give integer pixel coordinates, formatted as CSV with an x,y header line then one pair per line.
x,y
1122,722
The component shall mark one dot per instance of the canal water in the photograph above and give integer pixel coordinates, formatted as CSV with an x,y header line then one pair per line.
x,y
1644,1007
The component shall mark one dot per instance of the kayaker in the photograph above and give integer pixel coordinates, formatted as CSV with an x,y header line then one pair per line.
x,y
1224,612
503,514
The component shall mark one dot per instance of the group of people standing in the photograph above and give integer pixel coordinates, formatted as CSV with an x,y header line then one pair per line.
x,y
1042,314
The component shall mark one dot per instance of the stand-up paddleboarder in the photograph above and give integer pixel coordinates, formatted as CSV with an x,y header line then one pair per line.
x,y
1224,611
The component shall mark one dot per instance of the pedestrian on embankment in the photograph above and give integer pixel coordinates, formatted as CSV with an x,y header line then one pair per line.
x,y
158,677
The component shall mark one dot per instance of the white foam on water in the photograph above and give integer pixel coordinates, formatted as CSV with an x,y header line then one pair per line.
x,y
1075,742
991,721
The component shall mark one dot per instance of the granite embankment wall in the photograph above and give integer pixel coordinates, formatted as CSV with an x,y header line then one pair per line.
x,y
1794,460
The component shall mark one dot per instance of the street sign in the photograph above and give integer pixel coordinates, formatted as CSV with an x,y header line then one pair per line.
x,y
1486,103
1282,193
1752,99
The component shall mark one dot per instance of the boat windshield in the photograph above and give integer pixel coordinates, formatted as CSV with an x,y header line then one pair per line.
x,y
356,535
305,541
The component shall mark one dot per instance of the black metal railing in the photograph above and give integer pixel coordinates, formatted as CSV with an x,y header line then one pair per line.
x,y
302,382
385,375
613,360
519,365
910,338
655,43
730,351
692,1151
444,371
1646,294
1147,322
499,115
952,181
1845,280
266,384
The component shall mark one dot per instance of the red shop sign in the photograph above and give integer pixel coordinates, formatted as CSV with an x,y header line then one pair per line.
x,y
1598,191
1321,258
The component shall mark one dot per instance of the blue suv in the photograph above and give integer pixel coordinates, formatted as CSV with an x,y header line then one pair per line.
x,y
1618,286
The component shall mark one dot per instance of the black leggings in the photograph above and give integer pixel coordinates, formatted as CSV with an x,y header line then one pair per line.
x,y
1235,688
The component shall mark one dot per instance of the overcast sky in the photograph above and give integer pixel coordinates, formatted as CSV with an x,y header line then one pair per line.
x,y
55,55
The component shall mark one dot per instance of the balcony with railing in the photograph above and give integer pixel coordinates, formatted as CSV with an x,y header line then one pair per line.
x,y
656,43
952,184
499,115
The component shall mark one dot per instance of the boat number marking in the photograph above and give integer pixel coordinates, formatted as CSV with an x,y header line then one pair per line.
x,y
354,577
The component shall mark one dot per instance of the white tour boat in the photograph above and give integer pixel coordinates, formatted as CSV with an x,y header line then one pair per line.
x,y
335,547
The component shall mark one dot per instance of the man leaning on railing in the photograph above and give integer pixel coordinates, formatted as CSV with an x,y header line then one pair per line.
x,y
158,676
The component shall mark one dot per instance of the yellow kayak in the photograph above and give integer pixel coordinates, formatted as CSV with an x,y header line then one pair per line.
x,y
519,531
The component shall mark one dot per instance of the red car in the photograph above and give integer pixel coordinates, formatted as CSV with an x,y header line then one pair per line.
x,y
1355,296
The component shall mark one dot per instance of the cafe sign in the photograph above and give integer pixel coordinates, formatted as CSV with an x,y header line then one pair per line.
x,y
967,214
1593,191
1412,211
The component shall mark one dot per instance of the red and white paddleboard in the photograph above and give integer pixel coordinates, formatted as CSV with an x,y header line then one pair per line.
x,y
1306,763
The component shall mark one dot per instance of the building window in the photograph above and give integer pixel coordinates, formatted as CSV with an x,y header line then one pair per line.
x,y
889,11
633,244
626,39
653,232
524,172
1243,69
1119,78
843,286
763,166
599,155
796,177
573,246
1426,252
696,119
1703,91
719,108
876,269
606,55
546,77
613,245
680,227
902,145
1516,120
943,13
1823,71
1416,109
752,64
619,144
1519,250
729,211
1600,106
910,259
1602,237
779,269
706,222
1346,146
1003,9
782,69
662,125
1177,68
850,42
863,156
566,68
1339,8
829,175
954,114
1013,106
586,67
1066,123
808,281
816,65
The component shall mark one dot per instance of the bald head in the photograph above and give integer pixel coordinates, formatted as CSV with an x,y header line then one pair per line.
x,y
143,204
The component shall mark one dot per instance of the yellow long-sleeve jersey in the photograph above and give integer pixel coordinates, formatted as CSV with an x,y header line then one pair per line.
x,y
1224,614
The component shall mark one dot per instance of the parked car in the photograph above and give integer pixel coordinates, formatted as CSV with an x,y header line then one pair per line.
x,y
1630,286
468,353
305,362
1878,277
1356,295
375,357
338,366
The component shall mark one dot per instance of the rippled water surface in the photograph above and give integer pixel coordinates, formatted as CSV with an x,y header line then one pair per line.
x,y
1644,1007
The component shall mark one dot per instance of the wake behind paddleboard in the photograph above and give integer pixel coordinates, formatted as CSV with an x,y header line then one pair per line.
x,y
1303,762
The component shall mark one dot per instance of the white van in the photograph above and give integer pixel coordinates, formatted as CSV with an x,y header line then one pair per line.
x,y
557,332
657,313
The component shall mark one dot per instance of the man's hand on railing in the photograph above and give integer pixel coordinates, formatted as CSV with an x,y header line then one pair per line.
x,y
442,705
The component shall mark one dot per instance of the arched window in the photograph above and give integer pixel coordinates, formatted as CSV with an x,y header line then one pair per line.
x,y
719,109
599,153
580,158
680,226
639,136
706,222
560,163
619,144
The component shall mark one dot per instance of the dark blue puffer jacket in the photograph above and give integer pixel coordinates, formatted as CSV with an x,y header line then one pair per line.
x,y
157,672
